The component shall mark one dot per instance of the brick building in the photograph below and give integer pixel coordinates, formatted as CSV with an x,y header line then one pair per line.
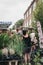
x,y
28,15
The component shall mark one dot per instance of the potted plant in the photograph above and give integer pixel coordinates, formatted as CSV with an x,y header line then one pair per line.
x,y
37,58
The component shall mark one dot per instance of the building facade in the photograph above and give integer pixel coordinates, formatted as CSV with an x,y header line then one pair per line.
x,y
28,15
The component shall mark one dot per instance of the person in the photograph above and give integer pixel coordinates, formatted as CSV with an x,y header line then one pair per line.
x,y
27,42
32,36
17,30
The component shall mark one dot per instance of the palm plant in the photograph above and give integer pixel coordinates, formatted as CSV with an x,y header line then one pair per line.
x,y
17,44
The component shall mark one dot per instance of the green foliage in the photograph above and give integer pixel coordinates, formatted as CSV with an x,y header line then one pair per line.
x,y
19,23
4,40
34,25
17,44
38,13
0,52
41,59
37,57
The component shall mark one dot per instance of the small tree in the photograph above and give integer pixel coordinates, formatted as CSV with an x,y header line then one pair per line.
x,y
34,25
18,23
38,13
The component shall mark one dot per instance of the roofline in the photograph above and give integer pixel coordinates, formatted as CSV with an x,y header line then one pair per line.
x,y
8,23
29,6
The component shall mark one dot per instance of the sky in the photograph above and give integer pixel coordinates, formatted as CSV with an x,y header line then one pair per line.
x,y
13,10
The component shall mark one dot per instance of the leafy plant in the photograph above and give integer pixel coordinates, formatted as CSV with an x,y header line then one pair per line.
x,y
18,23
17,44
38,13
0,52
4,40
37,59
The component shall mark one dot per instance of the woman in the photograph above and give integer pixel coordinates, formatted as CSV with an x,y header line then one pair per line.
x,y
27,42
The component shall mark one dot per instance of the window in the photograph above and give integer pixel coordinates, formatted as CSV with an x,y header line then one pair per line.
x,y
30,11
27,23
25,16
27,13
30,22
34,6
